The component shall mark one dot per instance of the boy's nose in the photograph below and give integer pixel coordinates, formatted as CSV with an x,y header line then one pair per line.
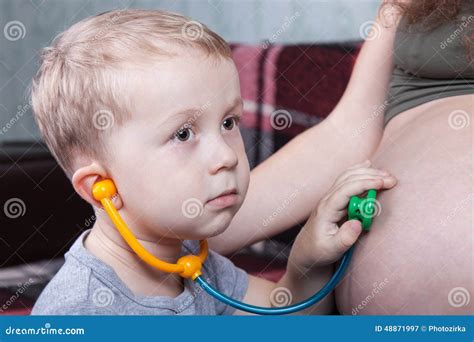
x,y
222,156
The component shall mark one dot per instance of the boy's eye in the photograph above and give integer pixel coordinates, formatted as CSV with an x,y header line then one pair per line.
x,y
229,123
183,134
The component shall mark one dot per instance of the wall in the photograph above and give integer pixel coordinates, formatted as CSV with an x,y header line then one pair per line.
x,y
28,25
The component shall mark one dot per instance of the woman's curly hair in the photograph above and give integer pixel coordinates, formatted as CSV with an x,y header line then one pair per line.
x,y
434,13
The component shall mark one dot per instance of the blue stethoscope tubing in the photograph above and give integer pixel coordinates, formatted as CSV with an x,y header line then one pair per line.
x,y
318,296
189,266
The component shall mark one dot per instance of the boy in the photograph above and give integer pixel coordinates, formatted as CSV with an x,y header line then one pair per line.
x,y
152,100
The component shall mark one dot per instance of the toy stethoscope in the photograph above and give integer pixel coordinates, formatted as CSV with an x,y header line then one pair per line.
x,y
189,266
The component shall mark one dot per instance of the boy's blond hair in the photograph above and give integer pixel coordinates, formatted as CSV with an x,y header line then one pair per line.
x,y
80,88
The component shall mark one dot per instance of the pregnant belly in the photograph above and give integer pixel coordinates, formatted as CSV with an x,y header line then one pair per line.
x,y
418,256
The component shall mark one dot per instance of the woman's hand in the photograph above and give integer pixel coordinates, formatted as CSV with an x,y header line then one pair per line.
x,y
322,241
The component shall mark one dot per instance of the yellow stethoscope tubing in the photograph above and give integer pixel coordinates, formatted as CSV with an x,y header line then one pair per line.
x,y
188,266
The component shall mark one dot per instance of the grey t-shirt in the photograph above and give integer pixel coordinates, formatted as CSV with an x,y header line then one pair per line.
x,y
87,286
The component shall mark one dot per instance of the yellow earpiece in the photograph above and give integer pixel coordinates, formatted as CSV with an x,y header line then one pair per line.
x,y
188,266
104,189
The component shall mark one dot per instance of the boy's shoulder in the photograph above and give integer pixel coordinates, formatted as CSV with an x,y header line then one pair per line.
x,y
67,292
85,285
75,289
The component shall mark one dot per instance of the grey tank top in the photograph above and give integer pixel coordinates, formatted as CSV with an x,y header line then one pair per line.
x,y
430,65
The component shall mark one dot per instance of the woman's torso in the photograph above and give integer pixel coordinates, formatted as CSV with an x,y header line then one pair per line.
x,y
415,259
430,63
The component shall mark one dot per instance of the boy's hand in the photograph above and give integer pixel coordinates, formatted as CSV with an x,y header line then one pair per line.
x,y
321,241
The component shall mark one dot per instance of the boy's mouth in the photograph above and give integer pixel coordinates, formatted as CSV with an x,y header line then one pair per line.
x,y
225,199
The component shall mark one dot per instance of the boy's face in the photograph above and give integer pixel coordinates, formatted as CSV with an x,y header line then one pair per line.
x,y
181,148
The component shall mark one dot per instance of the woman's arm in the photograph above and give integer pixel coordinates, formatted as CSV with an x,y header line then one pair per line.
x,y
288,185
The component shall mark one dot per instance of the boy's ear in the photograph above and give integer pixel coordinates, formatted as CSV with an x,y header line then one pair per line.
x,y
84,179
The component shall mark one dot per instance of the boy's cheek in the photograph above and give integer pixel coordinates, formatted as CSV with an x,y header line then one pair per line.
x,y
244,172
159,217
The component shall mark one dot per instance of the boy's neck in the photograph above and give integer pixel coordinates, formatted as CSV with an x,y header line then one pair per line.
x,y
106,243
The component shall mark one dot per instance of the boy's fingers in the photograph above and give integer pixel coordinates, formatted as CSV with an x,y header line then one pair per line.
x,y
364,163
347,235
362,171
389,182
387,179
341,196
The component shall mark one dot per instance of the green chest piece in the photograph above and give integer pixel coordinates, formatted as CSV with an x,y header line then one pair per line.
x,y
364,209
